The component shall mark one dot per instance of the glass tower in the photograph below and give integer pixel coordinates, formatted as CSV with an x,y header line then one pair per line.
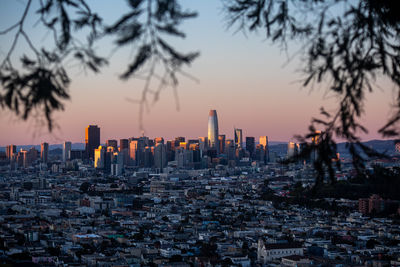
x,y
213,130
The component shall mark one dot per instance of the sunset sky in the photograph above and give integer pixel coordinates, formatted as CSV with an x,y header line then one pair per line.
x,y
244,78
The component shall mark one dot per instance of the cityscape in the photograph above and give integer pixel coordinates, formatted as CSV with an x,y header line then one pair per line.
x,y
172,133
209,201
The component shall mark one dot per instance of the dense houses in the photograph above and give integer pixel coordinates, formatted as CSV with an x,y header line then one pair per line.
x,y
182,217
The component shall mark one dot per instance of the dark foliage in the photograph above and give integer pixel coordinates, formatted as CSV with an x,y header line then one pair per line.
x,y
346,45
382,181
40,86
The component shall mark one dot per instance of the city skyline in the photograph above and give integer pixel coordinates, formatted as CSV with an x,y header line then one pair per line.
x,y
177,133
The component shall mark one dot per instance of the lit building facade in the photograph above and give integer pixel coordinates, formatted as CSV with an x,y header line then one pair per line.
x,y
99,154
264,142
92,140
44,152
66,153
238,133
11,152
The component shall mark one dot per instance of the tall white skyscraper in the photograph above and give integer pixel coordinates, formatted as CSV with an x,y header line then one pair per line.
x,y
66,154
213,130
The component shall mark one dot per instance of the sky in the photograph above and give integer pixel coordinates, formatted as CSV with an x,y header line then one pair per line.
x,y
246,78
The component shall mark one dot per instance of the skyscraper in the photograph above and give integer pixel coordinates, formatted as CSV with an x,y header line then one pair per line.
x,y
66,153
292,149
264,143
123,144
99,154
213,130
221,140
113,143
44,151
238,137
250,145
92,140
11,151
160,156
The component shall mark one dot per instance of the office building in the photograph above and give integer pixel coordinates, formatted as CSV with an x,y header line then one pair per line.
x,y
292,149
25,158
117,164
44,152
238,137
264,143
160,156
221,140
92,140
203,144
66,153
99,155
315,140
112,143
124,149
123,144
213,130
230,149
250,145
158,140
11,152
137,151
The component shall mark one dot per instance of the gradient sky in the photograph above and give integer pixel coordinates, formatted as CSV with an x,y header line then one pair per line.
x,y
244,78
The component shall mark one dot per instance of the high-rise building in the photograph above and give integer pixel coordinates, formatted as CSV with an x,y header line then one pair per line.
x,y
221,140
160,156
213,130
264,143
158,140
117,164
315,140
230,149
99,155
66,153
136,151
250,145
92,140
25,158
176,143
44,152
113,143
238,137
203,143
123,143
11,152
124,151
292,149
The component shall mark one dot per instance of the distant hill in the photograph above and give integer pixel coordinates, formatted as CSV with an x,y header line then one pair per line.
x,y
382,146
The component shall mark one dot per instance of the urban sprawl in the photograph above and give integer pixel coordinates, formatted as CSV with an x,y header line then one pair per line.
x,y
209,201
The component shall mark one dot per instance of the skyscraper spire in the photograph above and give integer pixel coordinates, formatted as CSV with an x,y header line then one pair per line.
x,y
213,130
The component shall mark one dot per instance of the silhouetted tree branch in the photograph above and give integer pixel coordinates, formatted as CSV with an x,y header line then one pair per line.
x,y
41,83
346,45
